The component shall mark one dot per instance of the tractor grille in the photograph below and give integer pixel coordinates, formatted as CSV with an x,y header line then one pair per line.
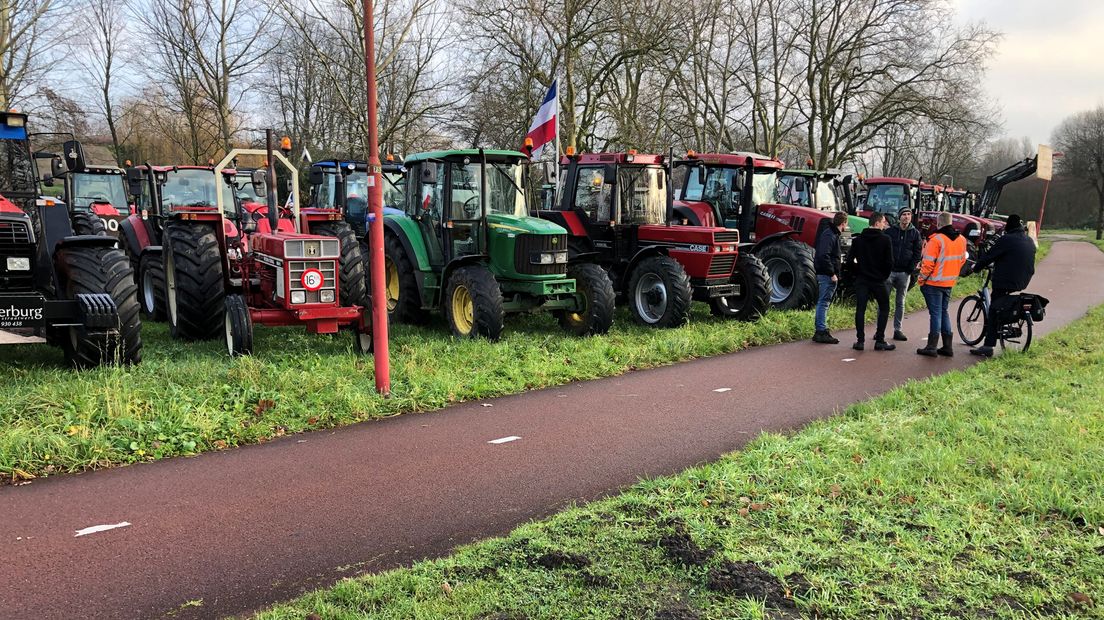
x,y
528,245
728,236
797,223
14,236
722,265
329,275
15,241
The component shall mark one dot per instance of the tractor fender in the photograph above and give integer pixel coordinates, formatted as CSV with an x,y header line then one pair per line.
x,y
137,234
457,263
759,244
151,249
622,281
420,262
85,241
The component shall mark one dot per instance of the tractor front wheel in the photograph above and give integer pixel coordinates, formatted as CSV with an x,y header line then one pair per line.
x,y
151,287
399,285
238,326
101,270
88,224
792,277
593,286
754,297
194,288
353,280
659,292
473,303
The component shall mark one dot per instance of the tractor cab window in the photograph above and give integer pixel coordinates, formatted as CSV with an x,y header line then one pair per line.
x,y
643,194
427,202
827,198
791,191
90,188
504,190
19,173
394,189
243,189
189,188
356,195
592,193
764,187
889,199
723,188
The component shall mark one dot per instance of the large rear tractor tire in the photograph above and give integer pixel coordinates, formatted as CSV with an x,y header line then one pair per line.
x,y
593,285
194,287
754,298
151,287
659,293
89,224
473,303
793,280
404,304
101,270
238,325
353,278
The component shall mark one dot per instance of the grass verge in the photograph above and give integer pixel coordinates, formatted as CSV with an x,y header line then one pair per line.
x,y
975,494
187,398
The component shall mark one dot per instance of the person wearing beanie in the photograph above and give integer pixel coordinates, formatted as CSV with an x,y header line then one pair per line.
x,y
943,258
907,249
1013,261
871,259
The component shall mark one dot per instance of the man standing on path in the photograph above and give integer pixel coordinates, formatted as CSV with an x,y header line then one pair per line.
x,y
827,262
871,258
944,256
1013,261
906,258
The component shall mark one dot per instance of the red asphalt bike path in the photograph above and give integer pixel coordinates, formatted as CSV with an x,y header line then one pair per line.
x,y
241,529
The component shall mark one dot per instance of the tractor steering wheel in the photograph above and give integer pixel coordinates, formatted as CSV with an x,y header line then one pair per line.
x,y
471,211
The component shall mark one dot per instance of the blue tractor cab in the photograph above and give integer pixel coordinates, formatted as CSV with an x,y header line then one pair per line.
x,y
342,186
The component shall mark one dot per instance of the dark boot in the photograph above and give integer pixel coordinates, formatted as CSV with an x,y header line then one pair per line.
x,y
882,345
824,337
930,350
946,350
899,336
982,351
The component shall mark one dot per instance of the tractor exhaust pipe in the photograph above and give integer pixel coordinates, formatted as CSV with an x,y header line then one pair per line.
x,y
273,216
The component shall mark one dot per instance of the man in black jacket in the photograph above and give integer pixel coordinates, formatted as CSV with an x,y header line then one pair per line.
x,y
907,249
827,262
1013,261
871,257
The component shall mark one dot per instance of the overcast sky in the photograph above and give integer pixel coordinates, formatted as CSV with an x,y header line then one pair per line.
x,y
1049,64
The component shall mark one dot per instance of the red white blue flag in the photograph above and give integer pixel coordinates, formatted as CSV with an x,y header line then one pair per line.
x,y
544,127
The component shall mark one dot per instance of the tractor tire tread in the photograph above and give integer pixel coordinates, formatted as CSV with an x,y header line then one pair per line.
x,y
488,314
200,290
600,295
680,295
800,258
102,270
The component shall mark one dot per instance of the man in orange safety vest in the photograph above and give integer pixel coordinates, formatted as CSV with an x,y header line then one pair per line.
x,y
943,258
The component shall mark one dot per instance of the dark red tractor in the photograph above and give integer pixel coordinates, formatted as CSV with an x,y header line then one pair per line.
x,y
739,191
618,211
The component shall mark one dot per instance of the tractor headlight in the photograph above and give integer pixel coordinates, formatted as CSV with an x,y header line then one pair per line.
x,y
19,263
561,258
548,258
298,297
326,296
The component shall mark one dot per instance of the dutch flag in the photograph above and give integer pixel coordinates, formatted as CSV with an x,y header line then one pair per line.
x,y
544,127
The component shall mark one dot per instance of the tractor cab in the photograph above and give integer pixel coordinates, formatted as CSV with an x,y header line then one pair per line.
x,y
888,195
618,210
823,190
341,187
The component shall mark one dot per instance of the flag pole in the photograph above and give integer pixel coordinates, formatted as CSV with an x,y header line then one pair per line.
x,y
556,190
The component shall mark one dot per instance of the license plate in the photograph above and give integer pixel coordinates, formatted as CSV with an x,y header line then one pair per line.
x,y
21,311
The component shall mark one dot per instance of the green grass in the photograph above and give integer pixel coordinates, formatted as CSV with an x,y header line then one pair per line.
x,y
975,494
189,398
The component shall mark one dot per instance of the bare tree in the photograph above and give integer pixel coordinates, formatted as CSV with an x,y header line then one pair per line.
x,y
100,56
27,37
1080,138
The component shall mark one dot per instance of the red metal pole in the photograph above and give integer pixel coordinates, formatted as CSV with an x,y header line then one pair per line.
x,y
375,205
1042,209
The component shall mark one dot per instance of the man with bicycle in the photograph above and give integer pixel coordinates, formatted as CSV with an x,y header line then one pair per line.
x,y
1013,260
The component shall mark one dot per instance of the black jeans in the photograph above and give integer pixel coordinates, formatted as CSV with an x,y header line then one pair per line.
x,y
997,299
864,292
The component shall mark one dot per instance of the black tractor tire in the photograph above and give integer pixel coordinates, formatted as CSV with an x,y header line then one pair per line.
x,y
473,303
353,278
101,270
754,298
89,224
659,293
238,326
194,286
793,280
404,303
151,287
593,284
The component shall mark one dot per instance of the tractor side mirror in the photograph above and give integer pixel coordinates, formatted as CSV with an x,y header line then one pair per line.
x,y
57,166
74,156
609,175
135,178
701,171
548,171
48,180
259,180
429,173
799,185
316,175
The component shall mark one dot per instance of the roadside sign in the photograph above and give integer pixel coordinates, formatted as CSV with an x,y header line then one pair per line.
x,y
1045,168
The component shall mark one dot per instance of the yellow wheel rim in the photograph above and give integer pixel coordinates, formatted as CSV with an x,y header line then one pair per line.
x,y
463,310
392,284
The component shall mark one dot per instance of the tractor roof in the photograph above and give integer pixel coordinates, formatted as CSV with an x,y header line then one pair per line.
x,y
490,153
98,169
890,181
614,158
388,166
805,172
171,168
927,187
740,158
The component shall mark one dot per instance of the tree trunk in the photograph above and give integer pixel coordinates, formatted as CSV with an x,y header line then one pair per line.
x,y
1100,217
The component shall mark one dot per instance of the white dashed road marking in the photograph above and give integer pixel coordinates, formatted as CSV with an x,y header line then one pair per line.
x,y
505,439
100,528
848,359
721,390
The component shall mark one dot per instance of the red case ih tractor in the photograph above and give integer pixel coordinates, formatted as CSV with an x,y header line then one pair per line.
x,y
77,290
617,209
737,190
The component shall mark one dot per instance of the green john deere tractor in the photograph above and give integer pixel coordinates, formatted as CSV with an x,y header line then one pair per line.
x,y
467,245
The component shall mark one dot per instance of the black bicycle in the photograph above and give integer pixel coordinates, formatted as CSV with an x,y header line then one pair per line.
x,y
1016,315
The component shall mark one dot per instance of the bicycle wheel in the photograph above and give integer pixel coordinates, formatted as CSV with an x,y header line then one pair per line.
x,y
971,320
1016,336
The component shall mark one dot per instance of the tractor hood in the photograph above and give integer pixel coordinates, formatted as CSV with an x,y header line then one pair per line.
x,y
686,234
523,224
